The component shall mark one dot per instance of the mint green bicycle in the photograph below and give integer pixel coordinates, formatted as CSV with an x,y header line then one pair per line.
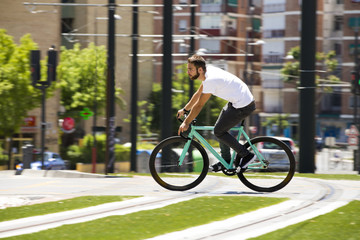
x,y
180,163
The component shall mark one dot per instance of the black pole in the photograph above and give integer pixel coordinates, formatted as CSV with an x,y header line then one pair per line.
x,y
357,74
134,86
110,87
192,42
94,149
166,112
307,87
43,125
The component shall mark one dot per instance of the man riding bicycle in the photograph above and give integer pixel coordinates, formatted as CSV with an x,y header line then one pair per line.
x,y
227,86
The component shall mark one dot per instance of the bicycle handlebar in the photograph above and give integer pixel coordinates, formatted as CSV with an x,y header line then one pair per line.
x,y
193,122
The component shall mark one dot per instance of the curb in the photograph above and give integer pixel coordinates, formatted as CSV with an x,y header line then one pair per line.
x,y
52,173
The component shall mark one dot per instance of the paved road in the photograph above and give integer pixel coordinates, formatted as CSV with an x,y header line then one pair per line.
x,y
307,198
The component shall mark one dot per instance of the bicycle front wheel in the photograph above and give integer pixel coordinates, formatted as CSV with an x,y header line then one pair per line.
x,y
166,170
280,169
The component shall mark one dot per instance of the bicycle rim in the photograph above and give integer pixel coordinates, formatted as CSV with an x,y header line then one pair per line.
x,y
280,169
165,168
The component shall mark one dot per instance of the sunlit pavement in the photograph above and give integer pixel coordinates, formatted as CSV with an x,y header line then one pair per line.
x,y
307,198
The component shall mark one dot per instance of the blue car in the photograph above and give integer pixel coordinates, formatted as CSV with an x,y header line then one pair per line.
x,y
52,161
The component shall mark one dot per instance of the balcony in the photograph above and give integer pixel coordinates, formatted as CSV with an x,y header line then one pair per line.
x,y
225,6
275,33
273,83
272,8
273,58
211,7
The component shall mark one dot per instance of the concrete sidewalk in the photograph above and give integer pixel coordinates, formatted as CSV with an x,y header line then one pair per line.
x,y
309,198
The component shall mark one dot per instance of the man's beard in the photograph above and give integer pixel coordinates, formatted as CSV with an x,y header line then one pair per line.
x,y
195,76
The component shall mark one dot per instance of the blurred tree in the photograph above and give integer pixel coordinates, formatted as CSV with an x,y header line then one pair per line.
x,y
82,75
17,95
277,124
291,69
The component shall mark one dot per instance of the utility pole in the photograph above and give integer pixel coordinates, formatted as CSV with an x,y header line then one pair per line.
x,y
134,87
192,43
357,74
110,91
307,87
166,110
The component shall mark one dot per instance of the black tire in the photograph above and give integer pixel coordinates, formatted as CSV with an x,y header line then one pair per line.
x,y
165,170
280,170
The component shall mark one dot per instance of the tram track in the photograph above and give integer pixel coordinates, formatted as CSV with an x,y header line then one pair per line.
x,y
266,220
39,223
308,197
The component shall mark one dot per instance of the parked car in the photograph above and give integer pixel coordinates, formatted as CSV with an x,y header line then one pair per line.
x,y
52,161
278,157
319,143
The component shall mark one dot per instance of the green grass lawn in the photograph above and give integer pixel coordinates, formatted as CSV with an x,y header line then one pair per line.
x,y
354,177
150,223
342,223
330,176
57,206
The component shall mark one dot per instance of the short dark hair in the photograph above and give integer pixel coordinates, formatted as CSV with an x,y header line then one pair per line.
x,y
198,61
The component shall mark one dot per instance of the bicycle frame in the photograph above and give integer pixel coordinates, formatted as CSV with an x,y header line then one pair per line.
x,y
193,133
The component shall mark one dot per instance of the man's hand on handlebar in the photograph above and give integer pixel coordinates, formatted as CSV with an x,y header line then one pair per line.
x,y
183,127
182,112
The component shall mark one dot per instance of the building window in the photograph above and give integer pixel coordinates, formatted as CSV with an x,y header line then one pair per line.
x,y
232,3
352,49
212,46
354,22
210,22
351,102
211,1
183,1
182,25
338,21
276,33
337,49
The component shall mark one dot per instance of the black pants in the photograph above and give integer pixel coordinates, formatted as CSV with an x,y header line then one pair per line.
x,y
228,118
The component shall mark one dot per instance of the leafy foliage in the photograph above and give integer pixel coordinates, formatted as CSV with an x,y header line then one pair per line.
x,y
143,120
291,70
82,76
83,153
281,121
17,95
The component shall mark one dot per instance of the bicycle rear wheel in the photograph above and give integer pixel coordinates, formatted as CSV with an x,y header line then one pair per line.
x,y
165,168
280,170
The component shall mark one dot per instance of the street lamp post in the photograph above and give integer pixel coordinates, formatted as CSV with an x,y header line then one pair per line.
x,y
356,69
110,94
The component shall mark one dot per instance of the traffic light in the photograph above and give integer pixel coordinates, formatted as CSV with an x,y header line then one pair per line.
x,y
355,82
52,63
35,66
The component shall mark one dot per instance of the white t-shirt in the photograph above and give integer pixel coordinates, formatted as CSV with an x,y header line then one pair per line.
x,y
227,86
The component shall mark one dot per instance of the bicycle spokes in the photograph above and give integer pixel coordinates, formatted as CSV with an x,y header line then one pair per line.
x,y
273,170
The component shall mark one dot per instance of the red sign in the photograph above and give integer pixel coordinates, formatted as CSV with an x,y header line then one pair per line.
x,y
353,134
29,121
68,125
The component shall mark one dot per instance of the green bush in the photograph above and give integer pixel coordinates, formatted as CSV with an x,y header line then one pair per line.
x,y
83,154
3,157
122,153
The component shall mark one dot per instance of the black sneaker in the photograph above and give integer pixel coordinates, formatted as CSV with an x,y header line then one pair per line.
x,y
217,167
246,160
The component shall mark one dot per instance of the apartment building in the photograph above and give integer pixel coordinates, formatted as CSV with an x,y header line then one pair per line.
x,y
336,21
